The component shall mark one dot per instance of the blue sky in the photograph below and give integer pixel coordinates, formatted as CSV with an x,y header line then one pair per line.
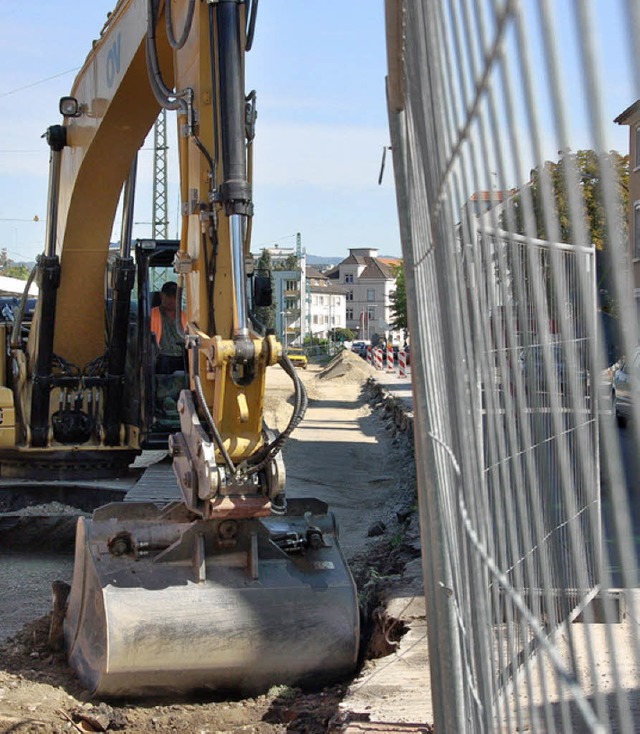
x,y
318,67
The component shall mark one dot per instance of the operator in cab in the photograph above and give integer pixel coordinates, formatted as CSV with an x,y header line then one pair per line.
x,y
163,324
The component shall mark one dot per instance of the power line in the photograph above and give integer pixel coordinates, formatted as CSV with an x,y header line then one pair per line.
x,y
40,81
275,240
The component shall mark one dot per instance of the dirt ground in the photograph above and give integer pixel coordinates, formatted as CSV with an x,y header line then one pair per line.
x,y
344,453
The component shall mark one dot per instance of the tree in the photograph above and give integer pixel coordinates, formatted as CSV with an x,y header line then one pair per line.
x,y
266,315
341,335
399,302
528,213
586,166
12,269
289,263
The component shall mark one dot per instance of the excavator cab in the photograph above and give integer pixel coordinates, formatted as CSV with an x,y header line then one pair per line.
x,y
152,384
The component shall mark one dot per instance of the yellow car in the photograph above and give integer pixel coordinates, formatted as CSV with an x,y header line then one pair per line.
x,y
298,358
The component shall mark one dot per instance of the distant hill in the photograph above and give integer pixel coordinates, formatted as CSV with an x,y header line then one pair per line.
x,y
317,260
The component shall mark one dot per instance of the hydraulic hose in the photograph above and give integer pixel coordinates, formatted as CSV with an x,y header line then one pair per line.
x,y
177,44
204,408
301,403
166,97
251,25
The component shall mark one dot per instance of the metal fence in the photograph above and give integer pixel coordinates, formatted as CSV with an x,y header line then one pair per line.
x,y
513,220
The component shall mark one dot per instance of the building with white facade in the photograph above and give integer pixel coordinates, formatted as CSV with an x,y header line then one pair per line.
x,y
368,281
289,299
326,304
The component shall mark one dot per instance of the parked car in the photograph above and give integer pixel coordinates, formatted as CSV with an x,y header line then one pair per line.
x,y
536,381
298,357
360,348
625,387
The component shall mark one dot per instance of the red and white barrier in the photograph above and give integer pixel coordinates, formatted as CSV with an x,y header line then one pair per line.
x,y
369,354
377,359
402,363
390,359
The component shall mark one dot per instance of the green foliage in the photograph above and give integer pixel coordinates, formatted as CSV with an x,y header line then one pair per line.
x,y
289,263
19,271
11,269
579,218
399,302
341,335
310,341
266,315
563,220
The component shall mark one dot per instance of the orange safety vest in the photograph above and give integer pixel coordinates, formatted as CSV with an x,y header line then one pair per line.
x,y
156,322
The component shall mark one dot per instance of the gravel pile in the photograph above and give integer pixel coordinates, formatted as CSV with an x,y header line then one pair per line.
x,y
346,367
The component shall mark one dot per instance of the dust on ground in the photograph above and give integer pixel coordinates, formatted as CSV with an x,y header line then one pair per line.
x,y
342,453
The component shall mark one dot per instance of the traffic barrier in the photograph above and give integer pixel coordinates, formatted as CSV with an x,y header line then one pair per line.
x,y
377,359
369,354
402,363
390,359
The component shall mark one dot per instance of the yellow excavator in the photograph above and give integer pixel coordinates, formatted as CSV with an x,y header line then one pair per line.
x,y
230,586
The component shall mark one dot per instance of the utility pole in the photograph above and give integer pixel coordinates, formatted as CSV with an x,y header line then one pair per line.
x,y
159,219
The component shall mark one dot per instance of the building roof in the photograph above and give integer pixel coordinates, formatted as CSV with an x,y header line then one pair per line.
x,y
332,289
376,269
312,272
492,195
327,286
392,262
624,118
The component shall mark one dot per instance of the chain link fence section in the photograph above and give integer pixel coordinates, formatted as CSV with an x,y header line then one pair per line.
x,y
525,499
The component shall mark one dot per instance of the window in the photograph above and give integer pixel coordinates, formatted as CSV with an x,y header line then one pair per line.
x,y
349,295
371,294
637,144
348,277
349,314
371,313
291,285
636,229
322,300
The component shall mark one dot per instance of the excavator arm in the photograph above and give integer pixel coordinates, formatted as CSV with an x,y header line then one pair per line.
x,y
186,56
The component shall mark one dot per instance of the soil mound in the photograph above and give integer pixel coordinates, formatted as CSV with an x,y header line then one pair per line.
x,y
346,367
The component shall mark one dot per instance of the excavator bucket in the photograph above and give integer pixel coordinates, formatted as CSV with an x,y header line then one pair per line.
x,y
162,604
